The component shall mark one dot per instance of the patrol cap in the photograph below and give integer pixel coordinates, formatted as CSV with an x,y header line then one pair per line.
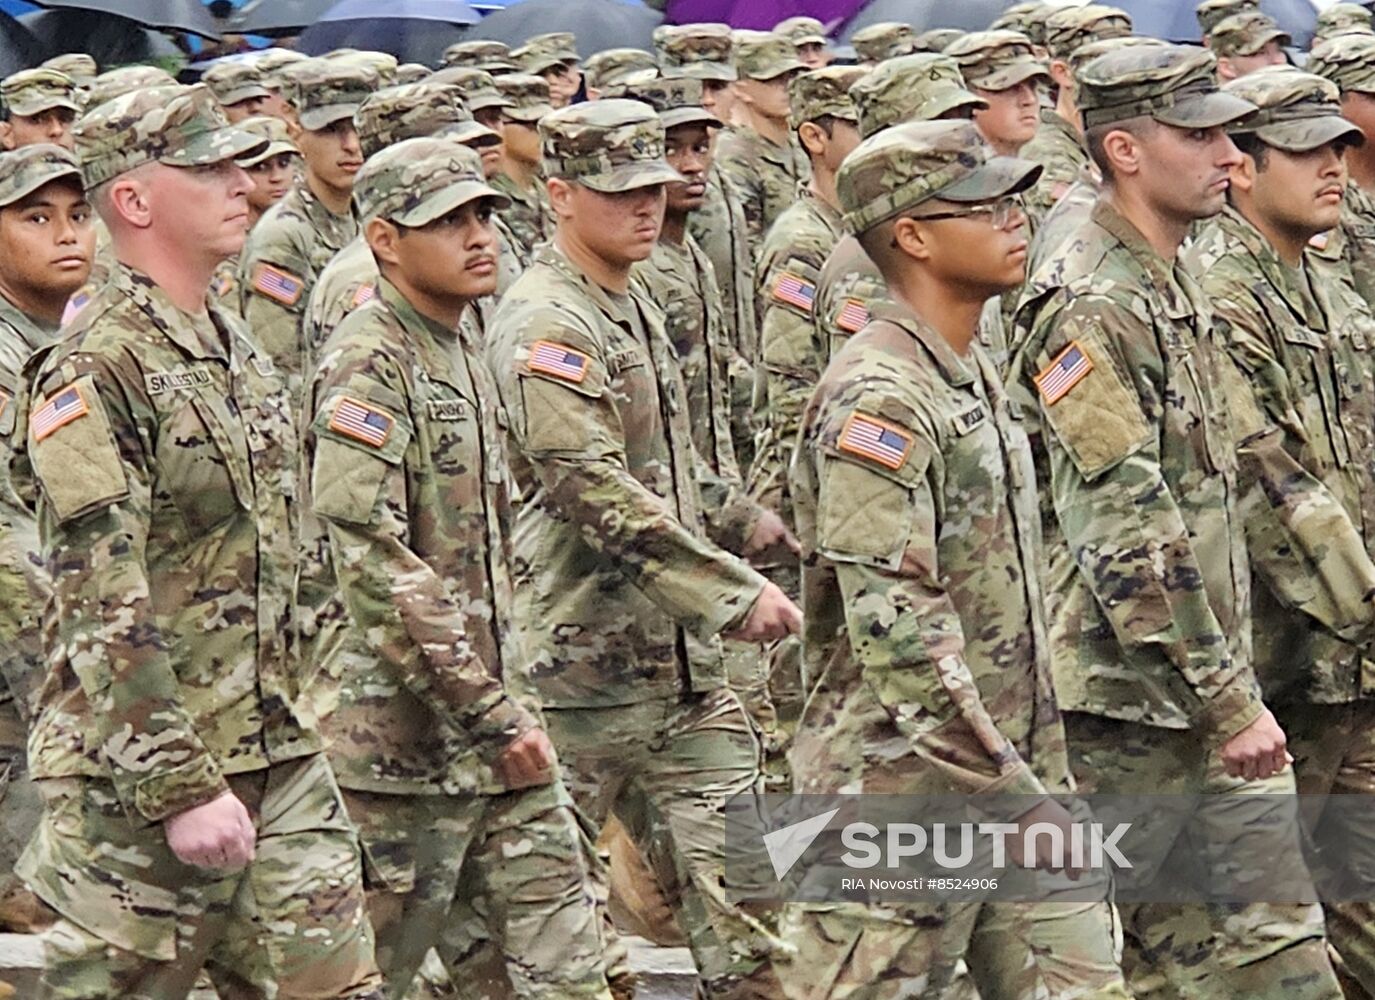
x,y
1028,18
544,52
823,93
1346,60
414,110
126,79
996,60
274,132
383,65
235,81
1340,18
677,100
919,87
1070,27
937,39
81,67
885,40
1090,51
412,73
478,88
26,169
32,91
1212,12
529,96
1173,84
323,91
484,54
272,62
802,30
704,50
419,180
608,146
1245,34
175,125
619,67
1297,111
900,168
762,55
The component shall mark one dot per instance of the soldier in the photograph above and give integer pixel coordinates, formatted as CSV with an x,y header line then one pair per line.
x,y
488,56
1303,344
627,594
895,709
408,73
760,159
608,72
273,64
1244,43
1340,19
486,103
554,58
704,52
239,88
885,40
520,179
38,106
1001,68
293,242
1030,20
190,818
125,80
1150,615
1211,12
79,66
272,170
808,36
452,782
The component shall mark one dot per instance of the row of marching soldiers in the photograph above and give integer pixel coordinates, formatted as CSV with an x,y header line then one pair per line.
x,y
425,473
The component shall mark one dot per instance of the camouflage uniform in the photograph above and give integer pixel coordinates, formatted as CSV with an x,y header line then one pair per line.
x,y
885,40
295,238
488,56
627,594
1342,19
77,65
962,681
426,503
529,215
33,91
1210,12
232,82
1150,625
162,453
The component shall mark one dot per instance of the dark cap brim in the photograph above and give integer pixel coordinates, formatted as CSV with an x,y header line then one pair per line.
x,y
53,172
318,118
1204,111
630,176
689,116
444,201
1000,176
1309,134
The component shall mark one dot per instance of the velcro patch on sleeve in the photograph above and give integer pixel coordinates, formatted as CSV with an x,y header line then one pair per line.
x,y
58,411
278,285
361,421
76,303
364,295
1060,376
558,360
875,439
794,291
853,316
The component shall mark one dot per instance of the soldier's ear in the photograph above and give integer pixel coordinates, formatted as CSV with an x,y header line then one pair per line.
x,y
1226,69
912,239
1123,152
1243,174
812,137
1060,73
6,135
382,237
560,197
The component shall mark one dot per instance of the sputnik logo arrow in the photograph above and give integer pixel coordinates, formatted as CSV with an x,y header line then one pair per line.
x,y
785,846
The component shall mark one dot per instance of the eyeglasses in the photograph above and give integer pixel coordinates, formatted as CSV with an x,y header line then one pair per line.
x,y
1000,212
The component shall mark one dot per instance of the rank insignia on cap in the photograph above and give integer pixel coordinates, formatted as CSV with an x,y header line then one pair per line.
x,y
364,295
361,422
557,360
278,285
869,437
794,291
1064,373
61,409
853,316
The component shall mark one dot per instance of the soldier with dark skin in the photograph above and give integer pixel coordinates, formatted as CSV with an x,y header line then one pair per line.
x,y
38,106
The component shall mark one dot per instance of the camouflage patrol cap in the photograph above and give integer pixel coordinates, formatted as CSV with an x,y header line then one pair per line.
x,y
272,130
1341,18
544,52
802,30
996,60
677,100
323,91
1028,18
77,65
382,65
1173,84
824,93
608,146
762,55
619,67
1245,34
32,91
235,81
272,63
413,110
919,87
885,40
936,40
1298,111
1346,60
412,73
478,88
484,54
1090,51
124,80
1070,27
1212,12
895,171
174,125
417,181
26,169
705,51
529,96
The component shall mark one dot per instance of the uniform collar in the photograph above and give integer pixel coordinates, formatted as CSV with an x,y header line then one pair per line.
x,y
200,337
434,343
829,215
549,254
1289,283
32,332
954,369
1171,281
337,230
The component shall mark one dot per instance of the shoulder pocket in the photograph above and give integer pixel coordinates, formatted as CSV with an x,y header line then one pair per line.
x,y
359,440
73,452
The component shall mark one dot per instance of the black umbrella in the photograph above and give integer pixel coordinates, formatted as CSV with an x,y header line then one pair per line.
x,y
412,30
190,16
276,18
598,24
109,40
1174,20
923,15
19,47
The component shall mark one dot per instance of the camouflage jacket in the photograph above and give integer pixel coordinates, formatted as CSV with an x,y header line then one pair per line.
x,y
408,685
285,253
916,508
162,452
1063,220
848,291
627,594
1352,243
764,175
719,229
1059,150
527,217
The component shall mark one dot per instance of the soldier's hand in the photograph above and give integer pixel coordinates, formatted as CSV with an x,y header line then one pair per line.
x,y
1053,813
527,762
215,834
1258,751
773,616
771,538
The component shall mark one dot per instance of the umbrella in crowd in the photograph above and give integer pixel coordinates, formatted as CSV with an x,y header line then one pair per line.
x,y
598,24
274,18
110,40
761,14
923,15
1175,19
190,16
19,48
412,30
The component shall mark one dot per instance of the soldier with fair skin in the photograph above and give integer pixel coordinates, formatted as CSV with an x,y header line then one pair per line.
x,y
553,58
38,106
239,88
1246,42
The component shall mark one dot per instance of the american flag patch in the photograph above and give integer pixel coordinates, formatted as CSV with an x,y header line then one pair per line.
x,y
557,360
58,411
853,316
222,286
794,291
364,295
278,285
1064,373
872,438
361,422
75,304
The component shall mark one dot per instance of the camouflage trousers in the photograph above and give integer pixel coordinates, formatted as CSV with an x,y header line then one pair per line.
x,y
137,924
666,769
1209,952
501,886
20,804
954,951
